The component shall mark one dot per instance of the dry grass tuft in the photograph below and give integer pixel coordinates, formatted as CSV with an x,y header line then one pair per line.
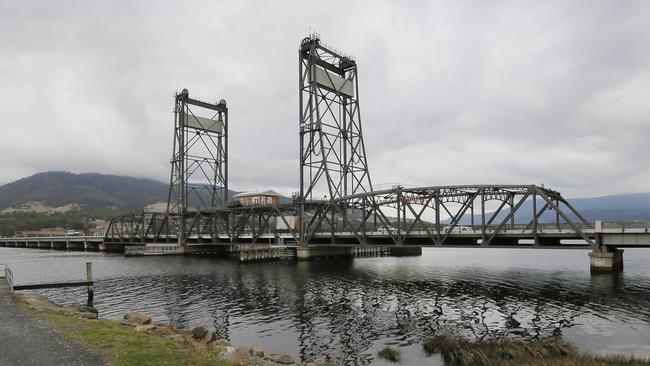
x,y
461,352
390,354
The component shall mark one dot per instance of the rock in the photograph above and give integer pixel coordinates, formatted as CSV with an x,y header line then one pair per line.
x,y
241,356
202,334
191,342
257,352
282,359
285,360
311,364
199,332
222,343
145,328
164,330
137,318
228,350
82,311
86,308
86,315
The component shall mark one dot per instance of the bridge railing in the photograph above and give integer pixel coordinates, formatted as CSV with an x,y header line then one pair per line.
x,y
626,225
37,237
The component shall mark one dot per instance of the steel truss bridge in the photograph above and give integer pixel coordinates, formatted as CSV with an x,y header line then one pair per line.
x,y
337,205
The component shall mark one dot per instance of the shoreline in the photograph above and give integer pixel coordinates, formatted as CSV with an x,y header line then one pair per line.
x,y
136,340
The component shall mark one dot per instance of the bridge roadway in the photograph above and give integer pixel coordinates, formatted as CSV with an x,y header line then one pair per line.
x,y
609,236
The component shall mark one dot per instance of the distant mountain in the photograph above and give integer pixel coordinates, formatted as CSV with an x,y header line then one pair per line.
x,y
97,194
91,191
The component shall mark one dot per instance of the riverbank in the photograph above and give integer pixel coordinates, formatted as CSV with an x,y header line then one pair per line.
x,y
136,340
82,339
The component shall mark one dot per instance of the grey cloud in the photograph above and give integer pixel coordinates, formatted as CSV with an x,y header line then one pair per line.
x,y
451,92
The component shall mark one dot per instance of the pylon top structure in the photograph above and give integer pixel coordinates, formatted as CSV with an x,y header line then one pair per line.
x,y
199,175
332,152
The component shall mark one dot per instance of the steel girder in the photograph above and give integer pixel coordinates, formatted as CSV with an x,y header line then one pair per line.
x,y
404,216
402,212
221,225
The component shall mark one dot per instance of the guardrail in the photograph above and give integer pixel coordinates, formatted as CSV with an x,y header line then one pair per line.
x,y
51,237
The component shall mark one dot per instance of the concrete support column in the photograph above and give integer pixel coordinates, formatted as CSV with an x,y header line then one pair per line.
x,y
405,251
606,259
309,253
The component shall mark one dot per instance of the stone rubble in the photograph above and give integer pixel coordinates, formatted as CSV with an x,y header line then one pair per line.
x,y
203,339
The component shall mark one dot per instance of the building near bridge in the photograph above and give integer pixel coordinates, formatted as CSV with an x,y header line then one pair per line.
x,y
269,197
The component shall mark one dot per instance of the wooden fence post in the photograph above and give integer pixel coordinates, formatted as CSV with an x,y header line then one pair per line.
x,y
89,279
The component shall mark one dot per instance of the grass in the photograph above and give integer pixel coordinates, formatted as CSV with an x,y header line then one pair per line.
x,y
122,345
461,352
390,354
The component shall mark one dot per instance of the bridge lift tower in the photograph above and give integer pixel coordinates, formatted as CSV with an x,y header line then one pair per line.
x,y
199,174
332,152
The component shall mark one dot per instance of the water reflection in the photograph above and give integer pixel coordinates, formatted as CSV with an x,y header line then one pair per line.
x,y
339,310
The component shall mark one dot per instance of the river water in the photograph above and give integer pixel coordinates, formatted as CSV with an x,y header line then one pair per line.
x,y
346,310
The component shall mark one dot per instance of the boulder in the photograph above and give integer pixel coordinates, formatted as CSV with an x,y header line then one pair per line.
x,y
222,343
145,328
257,352
164,330
85,308
136,318
241,356
82,311
199,332
282,359
86,315
202,334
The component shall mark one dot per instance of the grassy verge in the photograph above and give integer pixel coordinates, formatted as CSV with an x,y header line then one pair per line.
x,y
120,345
460,352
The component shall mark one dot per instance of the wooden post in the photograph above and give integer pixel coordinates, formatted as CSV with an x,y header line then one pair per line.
x,y
89,279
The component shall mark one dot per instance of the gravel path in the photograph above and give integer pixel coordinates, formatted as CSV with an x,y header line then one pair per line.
x,y
24,341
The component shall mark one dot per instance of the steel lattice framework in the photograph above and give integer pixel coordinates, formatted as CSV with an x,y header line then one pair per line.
x,y
333,162
332,152
199,173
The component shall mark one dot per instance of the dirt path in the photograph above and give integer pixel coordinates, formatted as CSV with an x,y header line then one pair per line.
x,y
24,341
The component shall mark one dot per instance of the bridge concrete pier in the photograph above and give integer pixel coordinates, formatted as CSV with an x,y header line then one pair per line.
x,y
74,245
314,252
91,246
606,259
541,241
405,251
44,245
309,253
111,247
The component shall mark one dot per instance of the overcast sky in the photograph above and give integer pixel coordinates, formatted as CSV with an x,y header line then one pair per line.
x,y
451,92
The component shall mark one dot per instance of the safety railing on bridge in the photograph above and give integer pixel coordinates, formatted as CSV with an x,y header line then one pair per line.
x,y
626,225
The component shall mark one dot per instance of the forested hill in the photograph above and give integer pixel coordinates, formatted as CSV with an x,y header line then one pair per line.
x,y
91,191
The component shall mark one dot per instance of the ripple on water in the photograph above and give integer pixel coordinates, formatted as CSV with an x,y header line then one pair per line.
x,y
346,310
